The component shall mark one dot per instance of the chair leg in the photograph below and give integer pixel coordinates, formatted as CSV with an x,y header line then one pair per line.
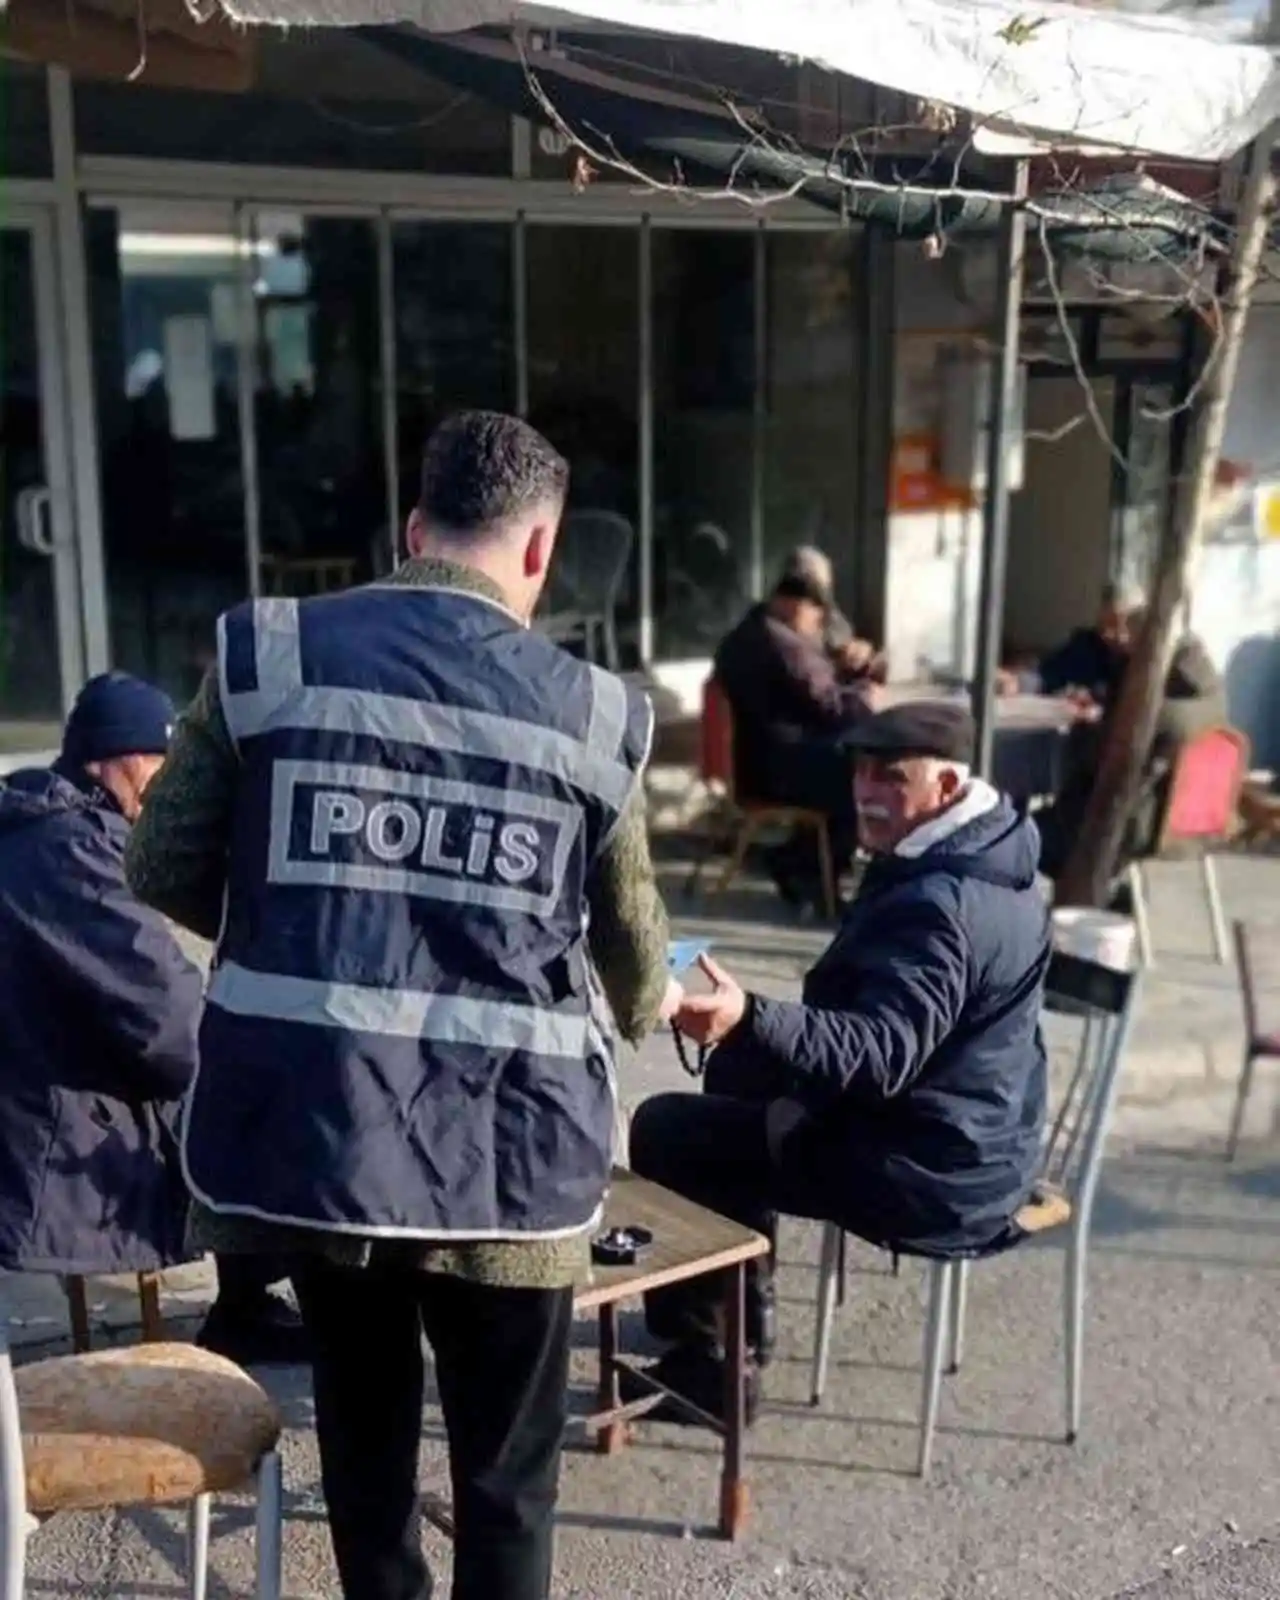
x,y
1242,1100
936,1327
842,1268
959,1296
15,1524
746,833
829,891
1213,898
149,1304
1137,889
78,1309
1073,1298
828,1267
198,1547
269,1528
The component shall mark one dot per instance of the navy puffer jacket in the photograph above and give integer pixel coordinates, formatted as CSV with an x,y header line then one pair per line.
x,y
98,1013
916,1048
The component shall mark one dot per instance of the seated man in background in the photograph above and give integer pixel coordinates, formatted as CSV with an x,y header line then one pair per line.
x,y
98,1011
792,708
904,1095
1094,660
853,657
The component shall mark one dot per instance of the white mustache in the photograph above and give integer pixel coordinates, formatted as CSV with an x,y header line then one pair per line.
x,y
874,813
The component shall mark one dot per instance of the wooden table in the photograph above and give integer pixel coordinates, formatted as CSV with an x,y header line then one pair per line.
x,y
688,1242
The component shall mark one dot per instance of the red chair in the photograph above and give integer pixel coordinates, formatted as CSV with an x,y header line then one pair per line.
x,y
1200,816
716,761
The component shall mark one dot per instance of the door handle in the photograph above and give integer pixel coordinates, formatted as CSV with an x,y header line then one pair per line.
x,y
32,509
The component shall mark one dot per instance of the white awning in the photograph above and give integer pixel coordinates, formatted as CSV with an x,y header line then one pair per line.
x,y
1071,73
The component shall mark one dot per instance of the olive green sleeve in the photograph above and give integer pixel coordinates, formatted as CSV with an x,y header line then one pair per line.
x,y
177,855
628,932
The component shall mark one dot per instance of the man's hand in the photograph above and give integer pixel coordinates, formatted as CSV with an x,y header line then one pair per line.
x,y
707,1018
672,1000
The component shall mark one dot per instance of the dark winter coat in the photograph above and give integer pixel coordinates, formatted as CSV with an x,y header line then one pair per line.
x,y
916,1048
98,1013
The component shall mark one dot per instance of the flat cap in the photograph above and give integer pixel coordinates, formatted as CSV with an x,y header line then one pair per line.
x,y
939,728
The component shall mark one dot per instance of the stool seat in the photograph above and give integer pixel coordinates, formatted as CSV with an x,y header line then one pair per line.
x,y
154,1424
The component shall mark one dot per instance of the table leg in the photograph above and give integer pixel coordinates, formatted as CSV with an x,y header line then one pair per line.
x,y
733,1489
613,1435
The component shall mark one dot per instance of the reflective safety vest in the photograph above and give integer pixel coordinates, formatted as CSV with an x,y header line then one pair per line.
x,y
401,1035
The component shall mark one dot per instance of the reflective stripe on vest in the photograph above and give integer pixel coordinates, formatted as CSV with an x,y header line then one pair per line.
x,y
282,700
404,1013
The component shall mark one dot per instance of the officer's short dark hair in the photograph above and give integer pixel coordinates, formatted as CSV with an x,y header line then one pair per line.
x,y
481,469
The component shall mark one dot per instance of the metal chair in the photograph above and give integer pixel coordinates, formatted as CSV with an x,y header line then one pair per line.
x,y
1200,815
587,575
1103,1000
1257,955
717,767
158,1424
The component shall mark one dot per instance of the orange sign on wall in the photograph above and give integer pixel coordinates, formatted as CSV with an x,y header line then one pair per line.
x,y
915,483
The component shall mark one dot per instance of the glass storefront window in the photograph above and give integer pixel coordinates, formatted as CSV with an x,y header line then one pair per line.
x,y
584,373
324,522
454,330
164,314
704,374
320,98
809,439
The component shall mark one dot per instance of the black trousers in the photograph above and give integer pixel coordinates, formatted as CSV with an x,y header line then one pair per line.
x,y
501,1366
713,1148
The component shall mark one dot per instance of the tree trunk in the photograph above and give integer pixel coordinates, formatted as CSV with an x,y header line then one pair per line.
x,y
1087,877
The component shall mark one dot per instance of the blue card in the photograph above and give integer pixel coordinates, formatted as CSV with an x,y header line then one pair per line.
x,y
683,954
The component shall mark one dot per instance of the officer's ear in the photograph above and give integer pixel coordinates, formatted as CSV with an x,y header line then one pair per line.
x,y
415,534
537,549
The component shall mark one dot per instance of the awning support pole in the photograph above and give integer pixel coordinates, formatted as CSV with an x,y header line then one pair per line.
x,y
995,511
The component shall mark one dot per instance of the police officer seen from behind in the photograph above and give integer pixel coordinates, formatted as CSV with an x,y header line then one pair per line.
x,y
427,823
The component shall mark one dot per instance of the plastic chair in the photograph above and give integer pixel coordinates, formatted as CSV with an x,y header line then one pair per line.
x,y
1256,948
1103,1000
157,1424
587,574
717,769
1200,816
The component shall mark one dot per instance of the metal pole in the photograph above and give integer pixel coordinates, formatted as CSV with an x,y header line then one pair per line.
x,y
646,442
520,297
390,389
995,511
247,358
759,418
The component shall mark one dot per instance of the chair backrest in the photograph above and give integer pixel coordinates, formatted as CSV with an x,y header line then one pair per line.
x,y
716,753
1103,1001
590,563
1204,791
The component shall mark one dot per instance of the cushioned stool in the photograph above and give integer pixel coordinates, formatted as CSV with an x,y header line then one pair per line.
x,y
154,1424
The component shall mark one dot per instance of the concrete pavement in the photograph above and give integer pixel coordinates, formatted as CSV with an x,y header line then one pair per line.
x,y
1172,1493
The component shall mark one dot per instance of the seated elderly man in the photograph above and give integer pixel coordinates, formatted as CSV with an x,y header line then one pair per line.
x,y
98,1011
793,707
1093,660
857,659
903,1096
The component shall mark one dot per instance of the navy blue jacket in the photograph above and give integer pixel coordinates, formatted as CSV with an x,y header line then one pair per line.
x,y
98,1014
917,1048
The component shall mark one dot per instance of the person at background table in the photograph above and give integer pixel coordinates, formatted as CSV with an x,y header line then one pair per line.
x,y
903,1096
98,1010
1093,662
793,705
414,825
854,658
